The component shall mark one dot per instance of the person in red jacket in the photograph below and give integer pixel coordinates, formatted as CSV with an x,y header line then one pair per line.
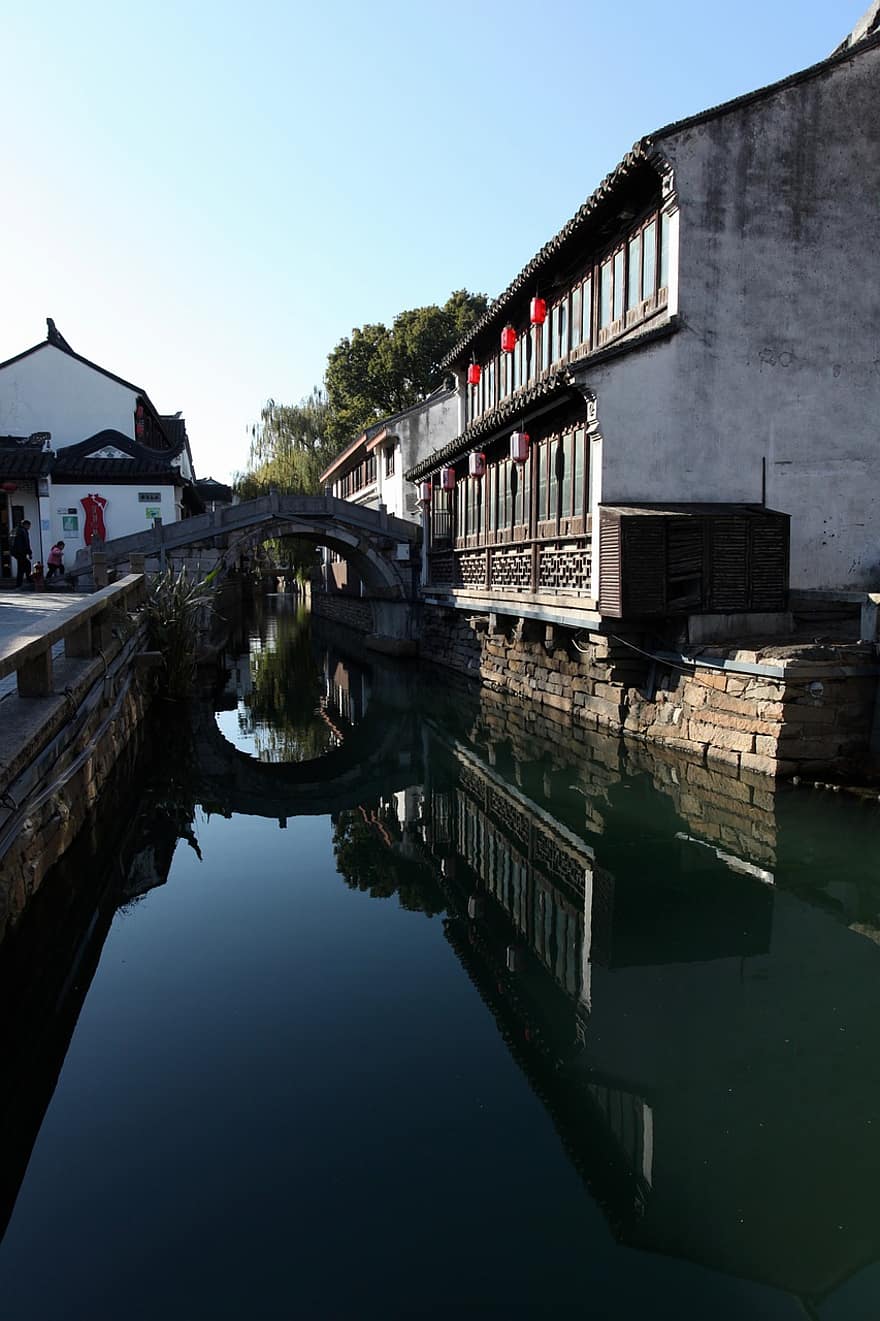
x,y
55,562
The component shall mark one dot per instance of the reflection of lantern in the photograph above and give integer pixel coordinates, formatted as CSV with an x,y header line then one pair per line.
x,y
425,493
519,446
508,339
538,312
447,479
474,374
477,464
9,486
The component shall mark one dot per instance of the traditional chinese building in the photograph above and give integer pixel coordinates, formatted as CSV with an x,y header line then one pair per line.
x,y
671,410
84,454
370,471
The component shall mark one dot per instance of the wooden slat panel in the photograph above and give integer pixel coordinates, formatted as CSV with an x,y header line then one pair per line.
x,y
610,564
644,566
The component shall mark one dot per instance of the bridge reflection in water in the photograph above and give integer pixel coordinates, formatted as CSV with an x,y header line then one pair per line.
x,y
683,964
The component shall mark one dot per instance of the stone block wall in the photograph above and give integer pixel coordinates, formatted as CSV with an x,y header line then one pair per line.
x,y
351,611
49,830
810,713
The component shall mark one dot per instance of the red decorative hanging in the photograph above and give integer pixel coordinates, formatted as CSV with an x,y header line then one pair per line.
x,y
477,464
447,479
9,486
508,339
425,493
94,529
519,446
538,311
474,373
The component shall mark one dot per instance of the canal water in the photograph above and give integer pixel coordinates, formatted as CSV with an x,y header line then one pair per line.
x,y
367,994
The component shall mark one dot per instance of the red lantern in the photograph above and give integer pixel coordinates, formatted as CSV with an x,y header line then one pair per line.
x,y
477,464
508,339
538,311
447,479
9,486
519,446
425,493
474,373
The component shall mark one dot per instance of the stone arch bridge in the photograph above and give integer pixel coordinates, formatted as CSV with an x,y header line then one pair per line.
x,y
383,549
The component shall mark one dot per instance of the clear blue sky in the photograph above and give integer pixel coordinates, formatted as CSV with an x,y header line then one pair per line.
x,y
206,197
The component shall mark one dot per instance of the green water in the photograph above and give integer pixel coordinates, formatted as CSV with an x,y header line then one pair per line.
x,y
369,994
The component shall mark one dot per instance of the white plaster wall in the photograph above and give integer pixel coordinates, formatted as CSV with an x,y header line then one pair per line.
x,y
779,354
50,391
422,433
123,515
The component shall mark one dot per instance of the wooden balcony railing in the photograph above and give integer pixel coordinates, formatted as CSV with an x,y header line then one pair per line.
x,y
551,567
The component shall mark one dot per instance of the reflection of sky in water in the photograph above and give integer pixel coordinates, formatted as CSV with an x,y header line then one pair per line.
x,y
266,743
283,711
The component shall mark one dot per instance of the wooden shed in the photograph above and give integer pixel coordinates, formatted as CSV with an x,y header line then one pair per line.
x,y
692,559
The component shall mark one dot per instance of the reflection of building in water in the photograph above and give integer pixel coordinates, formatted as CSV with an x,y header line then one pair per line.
x,y
700,1039
346,688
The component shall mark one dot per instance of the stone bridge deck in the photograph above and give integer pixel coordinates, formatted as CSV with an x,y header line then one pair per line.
x,y
252,515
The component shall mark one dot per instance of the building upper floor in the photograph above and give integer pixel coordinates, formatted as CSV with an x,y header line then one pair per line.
x,y
370,471
52,390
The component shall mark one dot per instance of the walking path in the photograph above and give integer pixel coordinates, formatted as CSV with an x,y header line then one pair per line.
x,y
22,613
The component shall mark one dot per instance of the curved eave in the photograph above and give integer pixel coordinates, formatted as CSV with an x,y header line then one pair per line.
x,y
640,155
558,387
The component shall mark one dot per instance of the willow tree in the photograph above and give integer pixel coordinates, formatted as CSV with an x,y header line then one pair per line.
x,y
289,448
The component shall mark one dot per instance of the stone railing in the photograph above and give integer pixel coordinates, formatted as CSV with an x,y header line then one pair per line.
x,y
83,627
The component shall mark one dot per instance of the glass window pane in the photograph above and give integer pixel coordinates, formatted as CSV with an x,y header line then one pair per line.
x,y
542,480
649,259
578,498
563,330
632,276
545,346
664,250
605,295
565,474
587,312
575,316
525,483
618,285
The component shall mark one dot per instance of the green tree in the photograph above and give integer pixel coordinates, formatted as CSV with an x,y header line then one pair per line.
x,y
289,448
377,372
374,373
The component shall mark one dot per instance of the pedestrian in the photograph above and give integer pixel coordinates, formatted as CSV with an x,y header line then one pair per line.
x,y
21,550
55,562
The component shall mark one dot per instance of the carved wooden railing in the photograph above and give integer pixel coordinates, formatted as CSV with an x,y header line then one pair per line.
x,y
84,628
560,567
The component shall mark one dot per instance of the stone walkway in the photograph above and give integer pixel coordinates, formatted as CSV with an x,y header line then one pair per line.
x,y
21,612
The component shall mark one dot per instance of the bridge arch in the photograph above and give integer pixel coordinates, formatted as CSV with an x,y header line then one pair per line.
x,y
383,549
377,572
379,756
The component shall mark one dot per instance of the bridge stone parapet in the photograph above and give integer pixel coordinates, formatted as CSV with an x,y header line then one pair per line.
x,y
382,548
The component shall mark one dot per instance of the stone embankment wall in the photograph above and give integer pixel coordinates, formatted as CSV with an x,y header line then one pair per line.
x,y
351,611
810,712
83,764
